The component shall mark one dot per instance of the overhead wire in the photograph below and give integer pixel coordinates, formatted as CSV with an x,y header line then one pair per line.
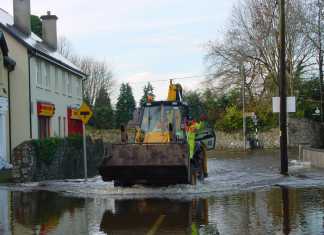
x,y
172,78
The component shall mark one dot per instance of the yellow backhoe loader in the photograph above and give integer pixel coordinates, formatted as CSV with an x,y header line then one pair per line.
x,y
160,153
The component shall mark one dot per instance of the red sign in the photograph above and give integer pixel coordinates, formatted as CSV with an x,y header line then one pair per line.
x,y
45,109
75,126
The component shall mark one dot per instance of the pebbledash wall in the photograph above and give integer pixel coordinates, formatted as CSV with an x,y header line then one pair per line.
x,y
65,163
300,131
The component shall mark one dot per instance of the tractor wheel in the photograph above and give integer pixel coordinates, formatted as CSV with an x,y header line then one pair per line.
x,y
200,168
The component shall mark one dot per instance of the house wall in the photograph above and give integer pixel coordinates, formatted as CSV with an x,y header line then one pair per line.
x,y
4,94
19,89
61,88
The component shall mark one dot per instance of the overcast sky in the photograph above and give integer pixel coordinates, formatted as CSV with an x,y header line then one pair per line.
x,y
141,39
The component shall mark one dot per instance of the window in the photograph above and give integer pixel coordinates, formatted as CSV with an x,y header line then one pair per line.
x,y
39,73
43,127
56,75
64,83
152,119
47,75
69,85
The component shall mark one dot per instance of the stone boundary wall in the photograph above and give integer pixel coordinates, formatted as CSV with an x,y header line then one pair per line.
x,y
234,141
314,156
305,131
301,131
110,135
66,163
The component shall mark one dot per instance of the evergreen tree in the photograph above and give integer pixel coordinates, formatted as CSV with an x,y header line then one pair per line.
x,y
148,91
36,25
102,98
103,117
125,105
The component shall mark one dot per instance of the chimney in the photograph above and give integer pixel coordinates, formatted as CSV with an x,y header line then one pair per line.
x,y
49,30
21,9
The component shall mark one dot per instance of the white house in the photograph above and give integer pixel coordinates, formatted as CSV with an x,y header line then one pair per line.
x,y
44,88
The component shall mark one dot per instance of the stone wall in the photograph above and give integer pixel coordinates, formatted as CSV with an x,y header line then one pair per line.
x,y
314,156
66,163
234,141
301,131
305,131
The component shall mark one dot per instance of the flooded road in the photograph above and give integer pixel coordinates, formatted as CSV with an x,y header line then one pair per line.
x,y
243,195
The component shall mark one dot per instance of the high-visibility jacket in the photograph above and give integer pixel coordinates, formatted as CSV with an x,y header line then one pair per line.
x,y
191,136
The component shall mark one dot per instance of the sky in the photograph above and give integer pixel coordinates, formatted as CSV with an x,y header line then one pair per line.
x,y
141,40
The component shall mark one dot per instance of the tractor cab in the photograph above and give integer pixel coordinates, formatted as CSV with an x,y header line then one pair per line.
x,y
163,122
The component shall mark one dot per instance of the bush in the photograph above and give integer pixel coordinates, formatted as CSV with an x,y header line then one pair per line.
x,y
231,121
46,149
75,141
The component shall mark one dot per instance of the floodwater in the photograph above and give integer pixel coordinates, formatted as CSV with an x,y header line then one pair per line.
x,y
244,194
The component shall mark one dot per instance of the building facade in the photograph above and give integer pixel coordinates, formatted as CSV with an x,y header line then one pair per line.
x,y
6,66
45,88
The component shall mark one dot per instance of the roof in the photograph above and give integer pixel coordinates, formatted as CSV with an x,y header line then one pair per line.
x,y
35,44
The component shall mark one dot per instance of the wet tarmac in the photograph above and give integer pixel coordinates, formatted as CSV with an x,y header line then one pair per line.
x,y
244,194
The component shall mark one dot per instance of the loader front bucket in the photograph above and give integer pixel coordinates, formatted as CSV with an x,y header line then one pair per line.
x,y
158,164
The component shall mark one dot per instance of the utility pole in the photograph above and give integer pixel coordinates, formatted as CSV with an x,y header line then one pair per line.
x,y
283,90
243,102
320,57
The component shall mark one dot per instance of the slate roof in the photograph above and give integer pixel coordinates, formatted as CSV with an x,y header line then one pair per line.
x,y
35,44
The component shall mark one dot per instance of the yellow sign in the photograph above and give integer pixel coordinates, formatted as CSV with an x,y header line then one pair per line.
x,y
45,110
75,114
85,113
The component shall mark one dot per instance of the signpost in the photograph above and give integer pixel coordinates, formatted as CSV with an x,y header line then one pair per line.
x,y
85,114
290,108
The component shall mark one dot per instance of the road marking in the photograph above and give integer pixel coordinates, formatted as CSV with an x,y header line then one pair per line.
x,y
156,225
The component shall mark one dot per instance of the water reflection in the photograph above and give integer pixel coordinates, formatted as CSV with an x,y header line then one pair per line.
x,y
156,215
279,210
285,206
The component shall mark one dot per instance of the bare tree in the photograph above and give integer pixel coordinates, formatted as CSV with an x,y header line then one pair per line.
x,y
253,40
314,23
65,48
99,76
99,73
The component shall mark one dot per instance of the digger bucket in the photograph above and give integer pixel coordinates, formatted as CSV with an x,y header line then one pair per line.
x,y
146,163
